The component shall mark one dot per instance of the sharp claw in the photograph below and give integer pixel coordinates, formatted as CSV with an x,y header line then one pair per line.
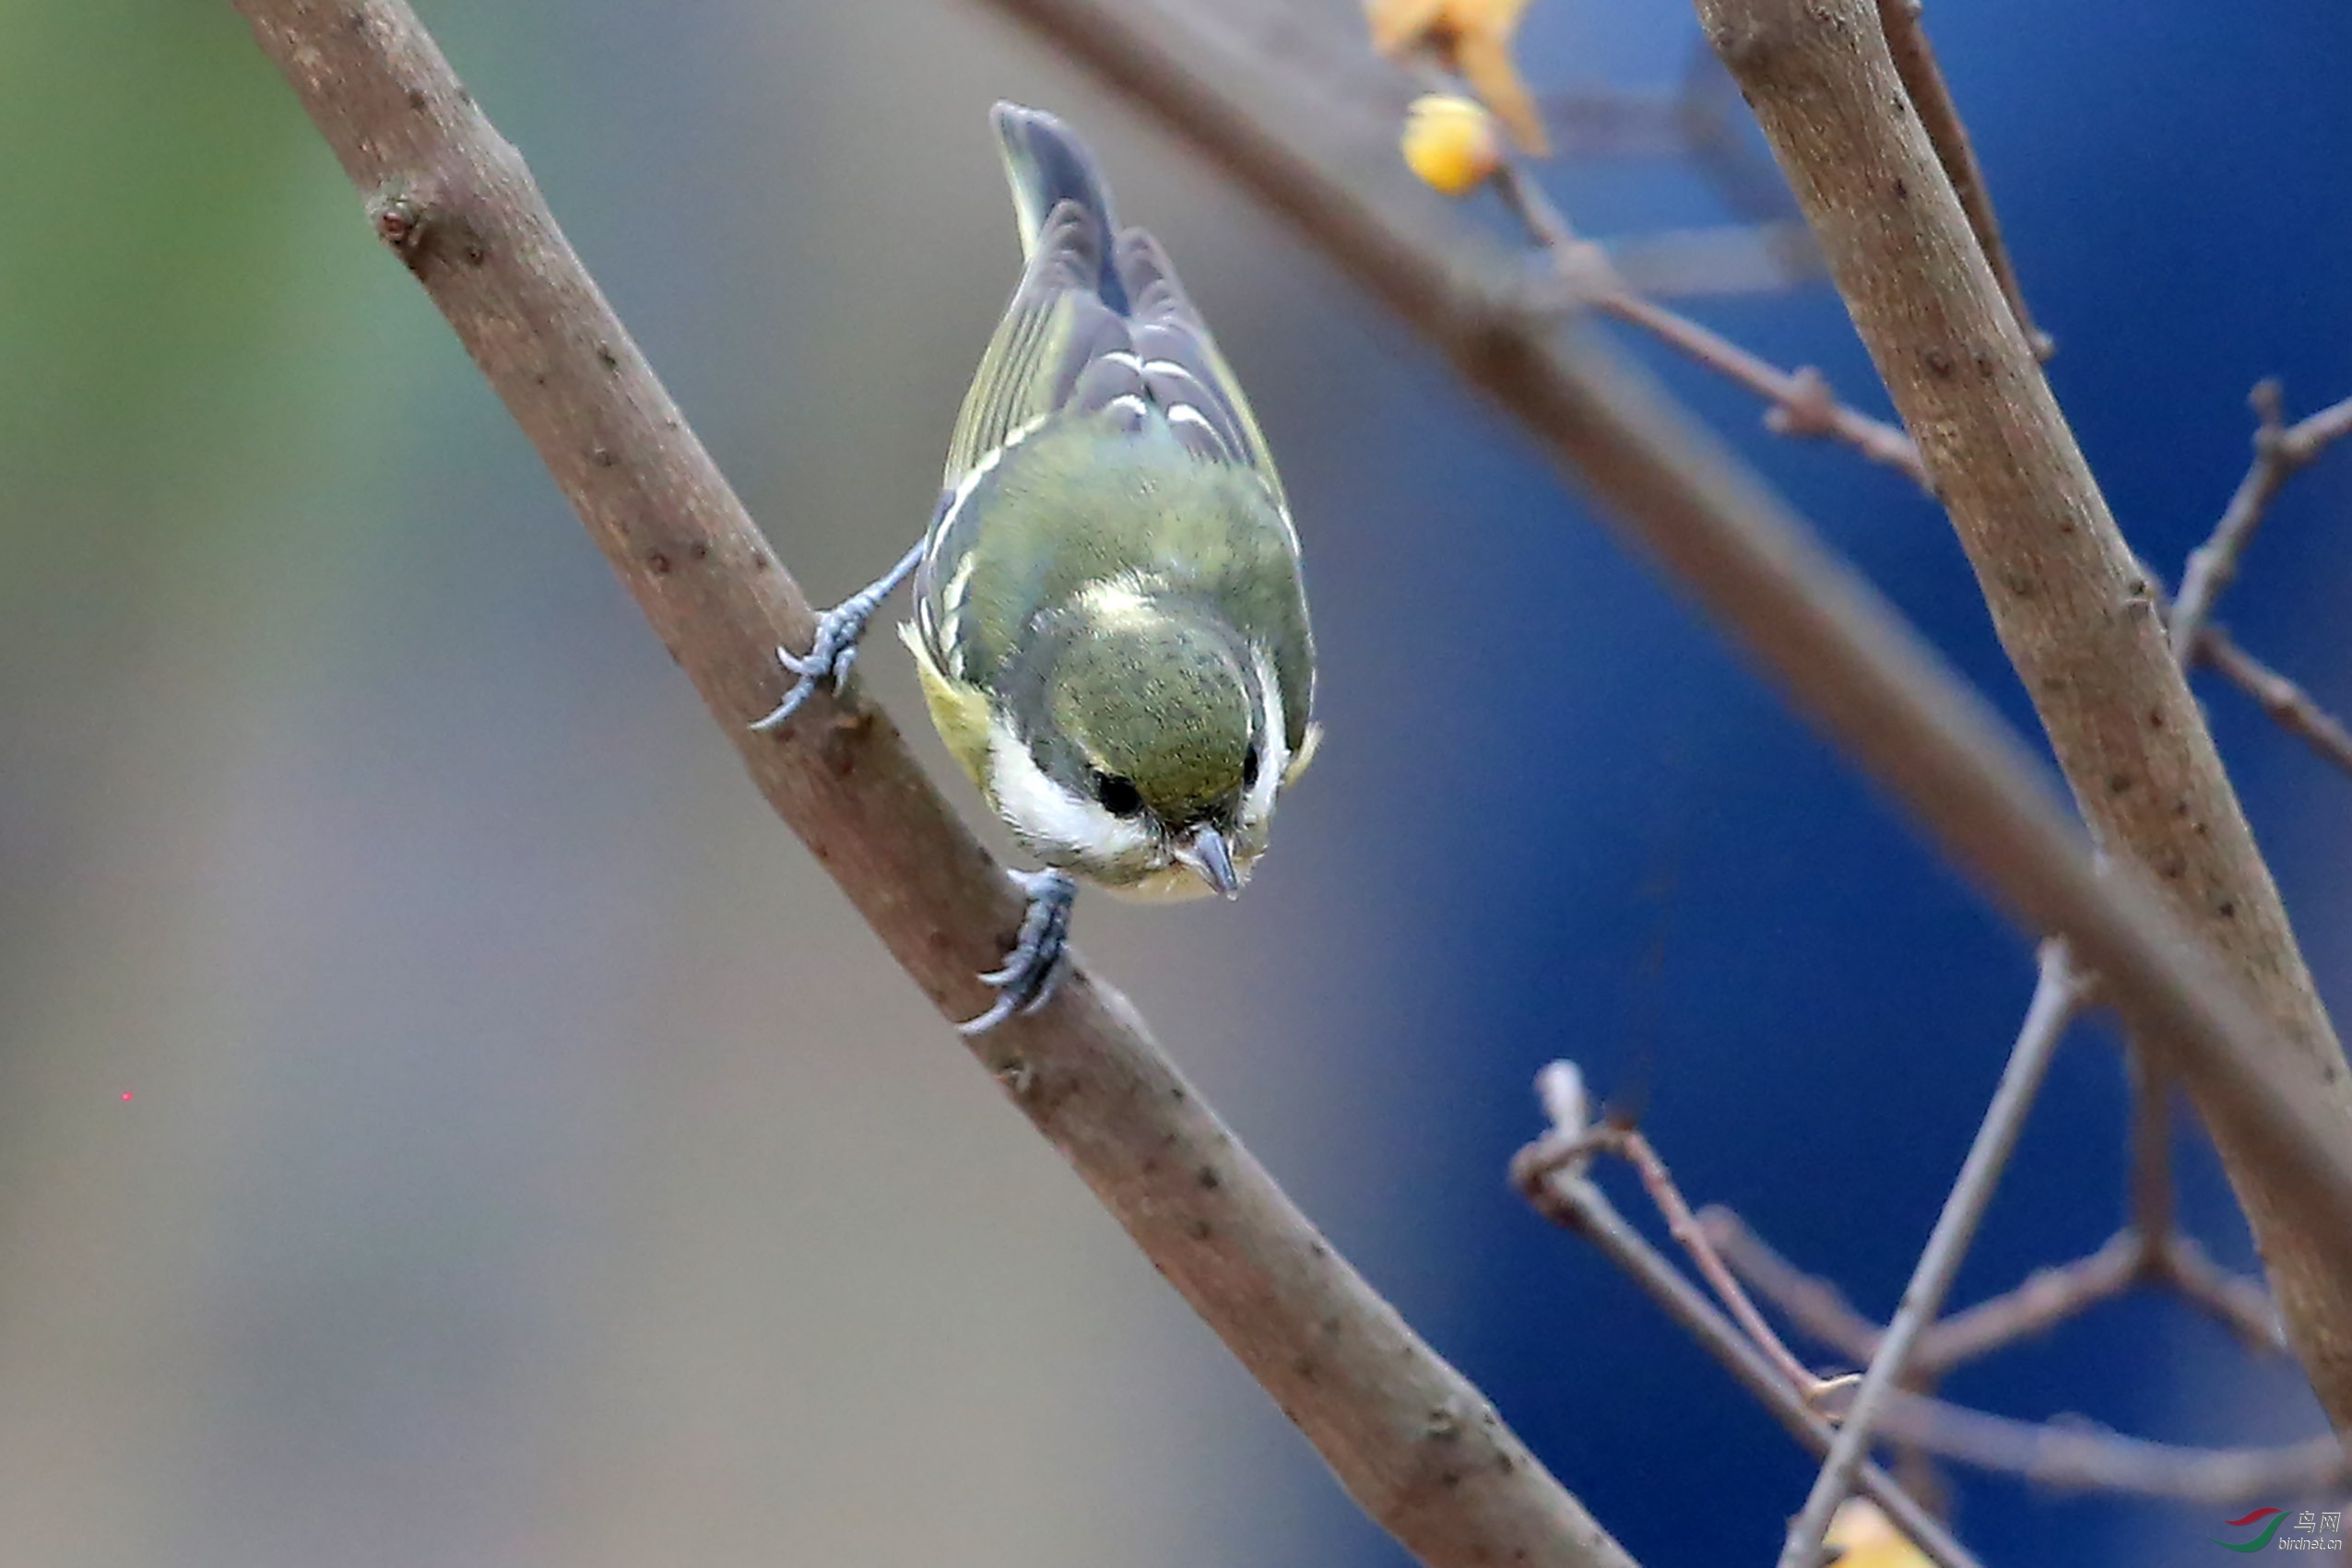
x,y
1045,987
827,661
998,1010
834,646
789,706
1032,970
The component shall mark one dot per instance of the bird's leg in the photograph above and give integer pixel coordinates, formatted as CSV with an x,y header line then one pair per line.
x,y
835,645
1034,966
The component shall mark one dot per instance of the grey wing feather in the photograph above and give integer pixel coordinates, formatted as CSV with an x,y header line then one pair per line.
x,y
1181,365
1054,325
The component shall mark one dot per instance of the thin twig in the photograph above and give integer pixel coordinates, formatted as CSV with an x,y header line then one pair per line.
x,y
1686,262
1715,123
1685,1229
1797,403
2038,1302
2082,1458
1940,117
2241,1304
2044,1299
2150,1183
1816,1305
1565,1196
2290,706
2056,995
1412,1440
2055,1454
1561,1150
2279,450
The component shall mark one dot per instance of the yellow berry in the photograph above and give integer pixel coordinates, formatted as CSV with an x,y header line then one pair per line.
x,y
1450,143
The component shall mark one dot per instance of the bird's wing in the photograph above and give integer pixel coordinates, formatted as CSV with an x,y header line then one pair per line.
x,y
1180,367
1056,325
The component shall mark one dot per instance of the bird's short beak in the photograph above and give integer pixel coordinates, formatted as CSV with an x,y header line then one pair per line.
x,y
1204,850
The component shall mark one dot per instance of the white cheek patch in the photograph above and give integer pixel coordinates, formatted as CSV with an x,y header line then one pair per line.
x,y
1258,804
1049,816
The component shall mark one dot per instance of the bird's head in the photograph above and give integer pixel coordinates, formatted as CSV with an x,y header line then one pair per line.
x,y
1140,744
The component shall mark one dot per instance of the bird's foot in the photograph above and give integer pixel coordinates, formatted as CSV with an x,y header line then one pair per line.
x,y
1035,964
835,648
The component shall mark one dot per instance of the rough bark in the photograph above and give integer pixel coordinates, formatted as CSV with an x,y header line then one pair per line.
x,y
2073,605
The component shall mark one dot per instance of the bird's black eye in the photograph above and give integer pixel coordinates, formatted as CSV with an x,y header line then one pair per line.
x,y
1249,769
1120,797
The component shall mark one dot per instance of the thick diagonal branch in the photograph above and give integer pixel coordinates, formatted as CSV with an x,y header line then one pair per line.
x,y
1412,1440
2075,610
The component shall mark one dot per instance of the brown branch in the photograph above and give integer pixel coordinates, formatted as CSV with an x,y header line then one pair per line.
x,y
1733,259
2036,1305
2058,995
2076,616
2040,1302
2052,1453
2149,1182
1563,1150
2060,1454
2241,1304
1798,403
2280,449
1565,1196
2288,705
1816,1305
1412,1440
1940,118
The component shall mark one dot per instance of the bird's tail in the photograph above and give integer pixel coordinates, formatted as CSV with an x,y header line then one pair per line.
x,y
1047,165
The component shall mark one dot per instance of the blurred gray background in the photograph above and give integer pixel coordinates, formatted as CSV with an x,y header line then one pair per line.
x,y
445,1120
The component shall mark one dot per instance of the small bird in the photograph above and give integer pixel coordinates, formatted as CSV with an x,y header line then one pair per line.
x,y
1109,620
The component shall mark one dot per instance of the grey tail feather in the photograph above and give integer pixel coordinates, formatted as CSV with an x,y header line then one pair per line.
x,y
1047,165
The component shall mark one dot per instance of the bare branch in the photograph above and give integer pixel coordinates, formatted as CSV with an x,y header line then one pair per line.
x,y
2036,1305
2279,450
1940,118
1714,123
1567,1197
1412,1440
2057,994
2241,1304
1686,262
2088,1458
2150,1181
1818,1308
1798,403
2290,706
2056,1453
2075,614
1566,1150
